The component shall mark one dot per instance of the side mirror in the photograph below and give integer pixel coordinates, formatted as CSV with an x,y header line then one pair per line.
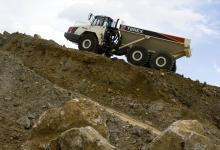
x,y
90,16
116,25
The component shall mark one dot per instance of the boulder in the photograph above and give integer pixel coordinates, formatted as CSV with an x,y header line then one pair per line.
x,y
183,134
86,138
73,114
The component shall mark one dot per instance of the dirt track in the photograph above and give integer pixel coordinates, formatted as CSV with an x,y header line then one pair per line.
x,y
54,74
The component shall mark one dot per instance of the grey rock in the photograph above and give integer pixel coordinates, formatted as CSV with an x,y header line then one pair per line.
x,y
31,116
24,122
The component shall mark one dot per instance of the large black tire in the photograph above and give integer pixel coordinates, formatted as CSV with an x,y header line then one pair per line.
x,y
88,42
162,60
138,55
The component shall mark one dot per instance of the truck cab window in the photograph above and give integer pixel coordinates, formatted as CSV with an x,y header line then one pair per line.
x,y
97,21
94,22
101,21
105,24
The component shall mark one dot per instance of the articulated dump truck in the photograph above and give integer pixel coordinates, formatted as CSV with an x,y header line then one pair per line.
x,y
141,47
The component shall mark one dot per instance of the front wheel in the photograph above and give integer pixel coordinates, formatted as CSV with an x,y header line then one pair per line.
x,y
162,60
88,42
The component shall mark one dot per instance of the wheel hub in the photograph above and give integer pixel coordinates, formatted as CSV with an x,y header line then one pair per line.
x,y
161,61
137,55
86,43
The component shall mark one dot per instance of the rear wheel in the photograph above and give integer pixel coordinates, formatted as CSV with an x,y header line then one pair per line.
x,y
138,56
162,60
88,42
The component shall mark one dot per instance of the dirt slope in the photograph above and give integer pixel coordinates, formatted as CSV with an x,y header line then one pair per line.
x,y
25,96
155,97
23,93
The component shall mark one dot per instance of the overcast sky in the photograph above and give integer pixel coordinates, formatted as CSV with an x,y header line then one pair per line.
x,y
194,19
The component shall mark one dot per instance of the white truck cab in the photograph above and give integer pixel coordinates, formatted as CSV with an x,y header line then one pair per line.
x,y
92,37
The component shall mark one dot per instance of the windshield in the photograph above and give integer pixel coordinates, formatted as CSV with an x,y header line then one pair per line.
x,y
102,21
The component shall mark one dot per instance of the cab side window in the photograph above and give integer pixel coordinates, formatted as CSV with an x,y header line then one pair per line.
x,y
94,22
105,24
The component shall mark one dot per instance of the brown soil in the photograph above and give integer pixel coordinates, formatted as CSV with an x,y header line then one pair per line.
x,y
37,74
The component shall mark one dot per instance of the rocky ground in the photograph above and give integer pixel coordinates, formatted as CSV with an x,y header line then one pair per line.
x,y
39,76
